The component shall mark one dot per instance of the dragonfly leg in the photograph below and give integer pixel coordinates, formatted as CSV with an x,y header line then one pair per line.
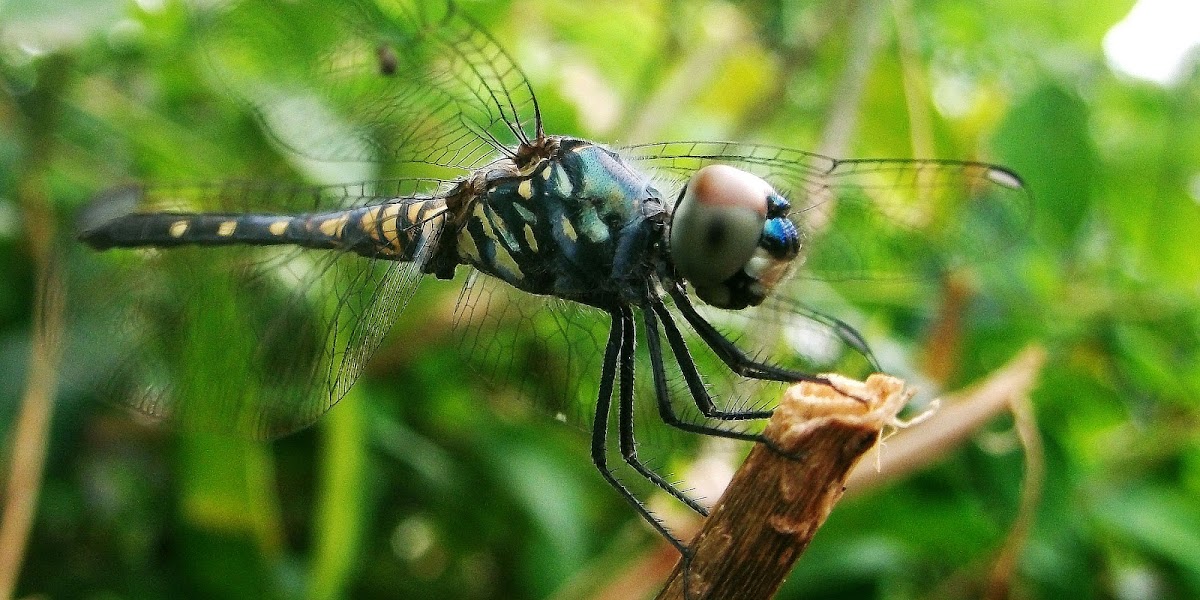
x,y
691,374
625,417
735,358
693,379
612,355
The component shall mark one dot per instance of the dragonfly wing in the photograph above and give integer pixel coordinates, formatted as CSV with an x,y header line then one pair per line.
x,y
545,351
371,81
255,340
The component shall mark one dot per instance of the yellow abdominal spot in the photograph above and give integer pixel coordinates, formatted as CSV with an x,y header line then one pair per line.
x,y
278,227
368,221
333,227
226,228
414,212
178,228
389,223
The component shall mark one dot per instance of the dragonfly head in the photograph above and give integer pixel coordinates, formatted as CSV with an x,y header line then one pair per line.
x,y
731,237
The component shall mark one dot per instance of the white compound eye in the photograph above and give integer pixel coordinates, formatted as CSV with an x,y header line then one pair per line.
x,y
718,224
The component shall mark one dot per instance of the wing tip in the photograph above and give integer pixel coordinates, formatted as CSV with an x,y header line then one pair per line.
x,y
1005,178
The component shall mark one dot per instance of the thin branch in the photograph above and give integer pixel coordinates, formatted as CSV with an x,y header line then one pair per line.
x,y
31,430
1000,583
961,416
784,491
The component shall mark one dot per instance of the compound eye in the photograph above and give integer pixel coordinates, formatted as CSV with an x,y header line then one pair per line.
x,y
718,223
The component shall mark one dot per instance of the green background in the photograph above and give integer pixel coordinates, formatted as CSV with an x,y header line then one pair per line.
x,y
418,485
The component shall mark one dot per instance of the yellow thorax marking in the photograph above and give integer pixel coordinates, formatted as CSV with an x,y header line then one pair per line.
x,y
466,244
505,260
530,239
569,229
525,189
531,167
484,222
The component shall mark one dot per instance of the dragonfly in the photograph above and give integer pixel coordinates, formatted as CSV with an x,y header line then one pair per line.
x,y
692,257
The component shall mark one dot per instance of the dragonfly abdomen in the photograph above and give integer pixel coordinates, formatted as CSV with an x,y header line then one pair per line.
x,y
385,230
180,229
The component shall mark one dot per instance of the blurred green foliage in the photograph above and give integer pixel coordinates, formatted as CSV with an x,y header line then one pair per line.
x,y
416,487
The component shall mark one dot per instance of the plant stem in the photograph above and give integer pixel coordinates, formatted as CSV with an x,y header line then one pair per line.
x,y
786,488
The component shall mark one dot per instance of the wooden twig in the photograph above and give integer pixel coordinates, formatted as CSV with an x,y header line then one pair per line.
x,y
786,488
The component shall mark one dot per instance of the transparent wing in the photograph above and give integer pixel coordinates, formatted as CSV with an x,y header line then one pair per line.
x,y
537,349
365,81
253,340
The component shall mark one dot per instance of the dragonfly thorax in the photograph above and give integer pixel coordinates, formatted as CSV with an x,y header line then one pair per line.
x,y
579,224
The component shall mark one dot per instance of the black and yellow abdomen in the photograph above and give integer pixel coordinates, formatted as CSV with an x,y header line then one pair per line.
x,y
388,230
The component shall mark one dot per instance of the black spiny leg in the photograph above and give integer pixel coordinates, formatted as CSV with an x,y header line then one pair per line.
x,y
695,382
625,412
736,359
612,354
695,386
